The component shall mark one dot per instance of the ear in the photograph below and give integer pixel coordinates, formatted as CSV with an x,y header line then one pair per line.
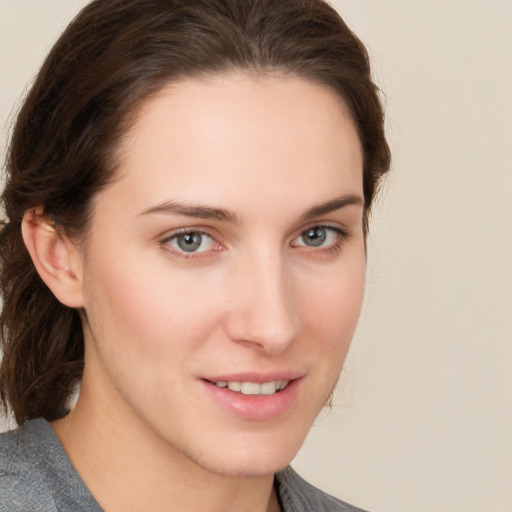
x,y
57,260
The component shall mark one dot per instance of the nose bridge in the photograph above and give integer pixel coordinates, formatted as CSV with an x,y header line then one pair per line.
x,y
264,311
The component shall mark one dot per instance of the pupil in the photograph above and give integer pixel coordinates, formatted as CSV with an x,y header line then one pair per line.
x,y
314,237
189,242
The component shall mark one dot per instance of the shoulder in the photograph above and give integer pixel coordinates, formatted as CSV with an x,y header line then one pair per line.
x,y
297,495
22,484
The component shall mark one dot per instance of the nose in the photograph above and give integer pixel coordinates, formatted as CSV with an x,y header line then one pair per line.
x,y
263,312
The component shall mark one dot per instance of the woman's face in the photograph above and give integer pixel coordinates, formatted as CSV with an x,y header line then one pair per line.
x,y
230,250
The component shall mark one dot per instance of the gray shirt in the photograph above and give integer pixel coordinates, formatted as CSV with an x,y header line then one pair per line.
x,y
36,475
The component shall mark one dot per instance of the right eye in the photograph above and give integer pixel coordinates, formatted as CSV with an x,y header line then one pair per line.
x,y
191,242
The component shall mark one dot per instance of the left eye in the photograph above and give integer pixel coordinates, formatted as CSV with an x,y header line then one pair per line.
x,y
192,241
318,236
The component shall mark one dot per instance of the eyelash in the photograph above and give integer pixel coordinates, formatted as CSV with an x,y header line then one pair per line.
x,y
341,237
165,244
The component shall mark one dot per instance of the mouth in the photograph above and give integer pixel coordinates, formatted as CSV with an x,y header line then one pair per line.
x,y
253,388
252,396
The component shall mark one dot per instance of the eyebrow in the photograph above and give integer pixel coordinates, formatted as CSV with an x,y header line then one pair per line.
x,y
220,214
333,205
193,210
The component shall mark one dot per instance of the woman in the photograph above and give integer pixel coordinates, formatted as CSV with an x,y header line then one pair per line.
x,y
187,203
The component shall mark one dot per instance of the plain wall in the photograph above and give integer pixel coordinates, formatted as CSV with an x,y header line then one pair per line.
x,y
423,417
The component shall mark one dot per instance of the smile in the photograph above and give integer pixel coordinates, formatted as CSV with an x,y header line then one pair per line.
x,y
254,388
253,396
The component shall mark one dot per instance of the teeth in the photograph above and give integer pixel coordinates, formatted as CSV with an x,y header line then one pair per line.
x,y
235,386
251,388
254,388
268,388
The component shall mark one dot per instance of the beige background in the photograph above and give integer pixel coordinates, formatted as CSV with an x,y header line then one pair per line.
x,y
423,419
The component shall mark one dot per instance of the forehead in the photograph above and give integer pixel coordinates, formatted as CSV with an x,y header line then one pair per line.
x,y
225,136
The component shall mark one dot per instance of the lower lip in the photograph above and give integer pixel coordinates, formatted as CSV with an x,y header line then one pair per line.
x,y
254,407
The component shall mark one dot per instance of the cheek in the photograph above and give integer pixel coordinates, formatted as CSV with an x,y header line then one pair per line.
x,y
333,304
331,309
142,313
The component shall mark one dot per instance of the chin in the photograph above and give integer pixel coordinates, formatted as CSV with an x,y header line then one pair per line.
x,y
253,458
254,468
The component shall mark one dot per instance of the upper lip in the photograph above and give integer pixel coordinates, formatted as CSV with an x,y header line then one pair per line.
x,y
258,377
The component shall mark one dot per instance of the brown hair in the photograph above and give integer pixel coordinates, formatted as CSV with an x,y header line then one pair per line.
x,y
112,57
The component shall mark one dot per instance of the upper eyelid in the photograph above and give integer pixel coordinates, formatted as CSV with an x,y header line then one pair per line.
x,y
208,231
342,230
318,226
180,231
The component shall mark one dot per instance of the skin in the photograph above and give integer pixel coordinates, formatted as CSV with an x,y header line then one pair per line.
x,y
144,434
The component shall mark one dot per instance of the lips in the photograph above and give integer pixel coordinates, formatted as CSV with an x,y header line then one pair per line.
x,y
254,397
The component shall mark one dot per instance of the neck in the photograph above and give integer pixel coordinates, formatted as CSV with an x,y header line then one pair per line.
x,y
127,467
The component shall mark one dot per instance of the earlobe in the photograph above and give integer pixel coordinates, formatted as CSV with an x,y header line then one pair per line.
x,y
55,257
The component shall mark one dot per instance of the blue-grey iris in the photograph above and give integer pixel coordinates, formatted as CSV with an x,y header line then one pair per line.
x,y
314,237
189,242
